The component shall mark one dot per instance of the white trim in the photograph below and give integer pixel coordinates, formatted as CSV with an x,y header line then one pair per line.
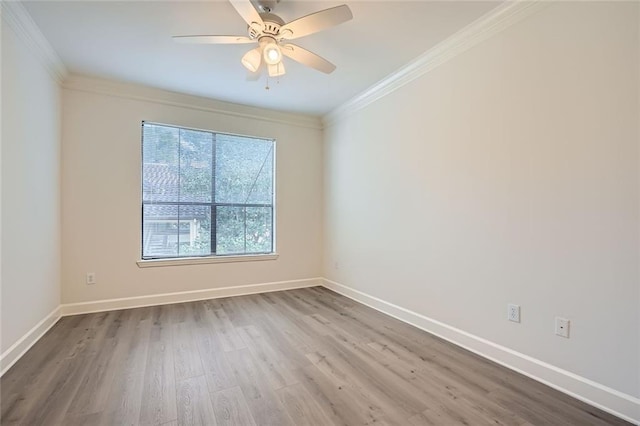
x,y
149,263
615,402
150,94
184,296
492,23
18,19
19,348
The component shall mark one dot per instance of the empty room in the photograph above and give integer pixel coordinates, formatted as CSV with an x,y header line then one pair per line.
x,y
318,212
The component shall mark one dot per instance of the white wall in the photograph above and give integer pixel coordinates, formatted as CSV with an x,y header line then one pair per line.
x,y
101,193
508,174
30,190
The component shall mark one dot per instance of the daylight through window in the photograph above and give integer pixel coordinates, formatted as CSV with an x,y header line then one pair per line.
x,y
205,193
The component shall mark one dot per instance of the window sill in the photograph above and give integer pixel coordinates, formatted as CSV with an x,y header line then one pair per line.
x,y
150,263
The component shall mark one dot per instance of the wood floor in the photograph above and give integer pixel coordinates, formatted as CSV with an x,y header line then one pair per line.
x,y
299,357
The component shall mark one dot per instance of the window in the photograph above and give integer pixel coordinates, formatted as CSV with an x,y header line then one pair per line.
x,y
205,193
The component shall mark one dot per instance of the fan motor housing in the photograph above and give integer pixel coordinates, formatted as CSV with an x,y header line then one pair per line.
x,y
272,24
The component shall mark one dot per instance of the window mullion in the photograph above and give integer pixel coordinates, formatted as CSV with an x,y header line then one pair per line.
x,y
214,212
179,187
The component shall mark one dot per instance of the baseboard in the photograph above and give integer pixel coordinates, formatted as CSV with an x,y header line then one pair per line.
x,y
610,400
184,296
19,348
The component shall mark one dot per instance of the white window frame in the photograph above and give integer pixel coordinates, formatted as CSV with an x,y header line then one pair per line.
x,y
210,258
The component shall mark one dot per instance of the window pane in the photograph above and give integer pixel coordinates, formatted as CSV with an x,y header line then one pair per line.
x,y
171,231
262,191
230,227
160,168
195,166
195,231
244,170
258,230
159,231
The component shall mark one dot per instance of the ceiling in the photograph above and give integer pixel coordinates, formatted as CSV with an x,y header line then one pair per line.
x,y
131,41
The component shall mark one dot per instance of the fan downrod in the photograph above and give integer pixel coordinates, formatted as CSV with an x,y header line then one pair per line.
x,y
266,6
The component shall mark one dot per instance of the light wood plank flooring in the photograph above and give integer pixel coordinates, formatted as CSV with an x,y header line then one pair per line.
x,y
300,357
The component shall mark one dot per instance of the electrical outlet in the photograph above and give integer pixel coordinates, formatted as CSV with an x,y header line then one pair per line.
x,y
562,327
91,278
513,312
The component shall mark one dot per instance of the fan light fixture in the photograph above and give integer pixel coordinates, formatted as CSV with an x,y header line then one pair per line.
x,y
251,60
272,54
276,70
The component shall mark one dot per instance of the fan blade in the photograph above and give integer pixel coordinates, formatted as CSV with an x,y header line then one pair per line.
x,y
247,11
276,69
316,22
213,39
307,58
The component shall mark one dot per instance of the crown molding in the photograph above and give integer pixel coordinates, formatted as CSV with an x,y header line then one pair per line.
x,y
151,94
18,19
490,24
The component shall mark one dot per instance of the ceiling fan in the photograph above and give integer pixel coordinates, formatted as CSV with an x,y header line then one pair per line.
x,y
272,35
